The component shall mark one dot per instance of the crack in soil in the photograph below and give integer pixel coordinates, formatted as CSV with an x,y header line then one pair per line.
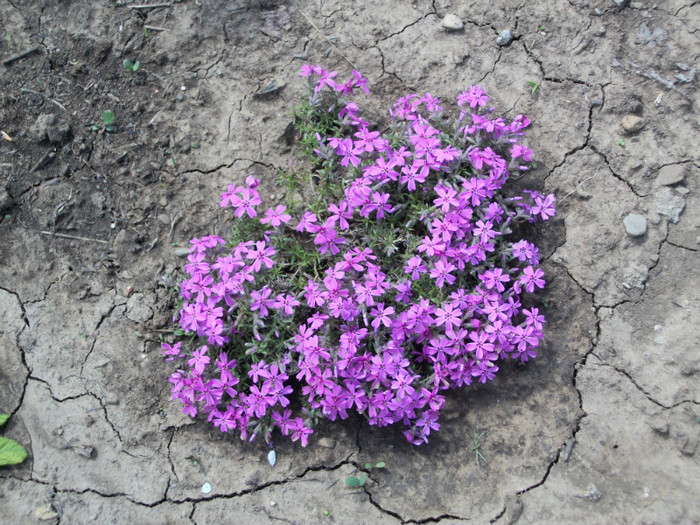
x,y
273,483
641,389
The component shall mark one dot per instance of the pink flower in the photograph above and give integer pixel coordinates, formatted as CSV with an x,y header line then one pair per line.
x,y
276,216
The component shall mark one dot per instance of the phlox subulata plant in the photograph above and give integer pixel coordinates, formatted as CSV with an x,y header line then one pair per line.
x,y
399,279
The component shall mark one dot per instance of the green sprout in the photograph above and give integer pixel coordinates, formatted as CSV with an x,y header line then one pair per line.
x,y
107,121
355,481
533,86
358,481
475,447
11,452
621,142
131,66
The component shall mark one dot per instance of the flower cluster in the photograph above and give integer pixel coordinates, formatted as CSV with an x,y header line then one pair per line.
x,y
401,282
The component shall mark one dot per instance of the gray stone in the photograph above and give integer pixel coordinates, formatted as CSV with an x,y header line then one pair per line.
x,y
670,175
48,127
632,123
6,200
669,204
326,442
635,225
452,22
620,3
137,310
505,38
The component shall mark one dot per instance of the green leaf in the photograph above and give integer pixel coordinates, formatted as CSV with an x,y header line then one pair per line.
x,y
381,464
352,481
363,478
11,452
128,65
368,466
107,117
621,142
4,418
136,66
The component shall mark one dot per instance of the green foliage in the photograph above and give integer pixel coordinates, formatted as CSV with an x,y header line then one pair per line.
x,y
108,117
107,121
131,66
356,481
477,443
533,86
11,452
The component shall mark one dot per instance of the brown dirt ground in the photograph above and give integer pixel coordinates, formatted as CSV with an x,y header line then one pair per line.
x,y
602,428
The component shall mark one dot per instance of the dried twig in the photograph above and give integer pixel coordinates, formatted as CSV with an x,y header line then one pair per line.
x,y
148,6
34,92
326,38
73,237
19,56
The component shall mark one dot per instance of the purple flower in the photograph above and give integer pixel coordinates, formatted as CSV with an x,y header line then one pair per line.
x,y
245,202
414,267
199,359
532,278
276,216
261,255
260,300
474,97
382,315
544,206
449,316
286,302
441,272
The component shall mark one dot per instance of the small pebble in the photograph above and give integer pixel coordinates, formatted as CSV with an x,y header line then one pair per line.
x,y
206,488
326,442
46,512
669,205
592,493
670,175
636,225
505,38
452,23
181,251
632,123
620,3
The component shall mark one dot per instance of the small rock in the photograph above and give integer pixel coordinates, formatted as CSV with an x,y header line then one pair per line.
x,y
6,200
48,127
164,219
182,251
592,493
635,276
632,123
635,225
206,488
452,23
669,205
137,310
87,451
620,3
505,38
46,512
660,427
670,175
326,442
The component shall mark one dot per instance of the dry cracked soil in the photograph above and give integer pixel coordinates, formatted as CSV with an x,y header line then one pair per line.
x,y
602,428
